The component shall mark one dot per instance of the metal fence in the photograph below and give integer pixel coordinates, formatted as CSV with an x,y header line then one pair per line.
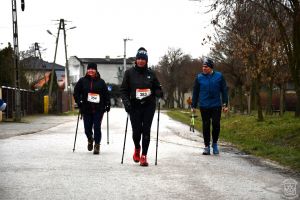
x,y
28,102
32,102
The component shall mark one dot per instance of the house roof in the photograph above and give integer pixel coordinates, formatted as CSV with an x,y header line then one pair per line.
x,y
106,60
34,63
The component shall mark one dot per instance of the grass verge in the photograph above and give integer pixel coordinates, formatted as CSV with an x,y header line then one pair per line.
x,y
276,138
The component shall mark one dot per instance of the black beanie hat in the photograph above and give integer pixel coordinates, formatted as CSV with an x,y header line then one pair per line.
x,y
92,66
142,53
208,62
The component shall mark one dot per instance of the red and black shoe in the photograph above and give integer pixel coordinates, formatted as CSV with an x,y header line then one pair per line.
x,y
136,155
143,161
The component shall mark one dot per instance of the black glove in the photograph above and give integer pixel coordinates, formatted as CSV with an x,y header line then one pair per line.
x,y
159,93
128,108
79,104
107,108
127,105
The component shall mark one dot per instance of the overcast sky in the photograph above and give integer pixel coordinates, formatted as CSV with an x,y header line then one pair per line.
x,y
103,24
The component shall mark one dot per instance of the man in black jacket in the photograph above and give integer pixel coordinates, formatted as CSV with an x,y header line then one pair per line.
x,y
92,98
139,90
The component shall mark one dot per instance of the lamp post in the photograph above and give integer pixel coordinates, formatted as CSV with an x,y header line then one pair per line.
x,y
16,52
124,67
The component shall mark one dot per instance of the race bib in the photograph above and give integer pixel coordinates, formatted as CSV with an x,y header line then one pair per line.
x,y
94,98
142,93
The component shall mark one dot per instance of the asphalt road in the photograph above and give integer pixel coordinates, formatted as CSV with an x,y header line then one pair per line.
x,y
43,166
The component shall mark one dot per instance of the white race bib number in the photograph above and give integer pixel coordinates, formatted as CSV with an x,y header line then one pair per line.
x,y
142,93
94,98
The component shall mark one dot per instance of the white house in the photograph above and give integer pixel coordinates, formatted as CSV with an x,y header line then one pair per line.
x,y
111,69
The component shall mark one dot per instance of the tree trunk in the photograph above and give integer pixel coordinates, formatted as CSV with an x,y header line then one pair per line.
x,y
269,100
253,96
297,113
258,103
249,103
182,100
176,95
281,104
241,97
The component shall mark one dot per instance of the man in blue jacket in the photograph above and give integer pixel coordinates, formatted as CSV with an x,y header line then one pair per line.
x,y
209,87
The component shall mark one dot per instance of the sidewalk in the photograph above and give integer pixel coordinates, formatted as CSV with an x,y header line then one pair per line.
x,y
32,124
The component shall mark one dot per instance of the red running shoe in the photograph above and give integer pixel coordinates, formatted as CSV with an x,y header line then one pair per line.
x,y
136,155
143,161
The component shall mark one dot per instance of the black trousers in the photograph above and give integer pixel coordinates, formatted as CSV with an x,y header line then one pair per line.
x,y
141,117
211,116
91,121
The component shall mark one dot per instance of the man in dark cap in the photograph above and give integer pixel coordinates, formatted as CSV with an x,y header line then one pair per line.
x,y
208,87
92,98
139,89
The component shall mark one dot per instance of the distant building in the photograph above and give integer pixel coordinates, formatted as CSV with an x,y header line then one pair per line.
x,y
111,69
38,71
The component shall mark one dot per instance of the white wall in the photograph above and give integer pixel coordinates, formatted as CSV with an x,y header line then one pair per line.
x,y
108,72
74,69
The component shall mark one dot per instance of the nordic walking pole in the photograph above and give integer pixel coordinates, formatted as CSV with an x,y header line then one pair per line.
x,y
107,129
79,113
124,139
157,130
192,126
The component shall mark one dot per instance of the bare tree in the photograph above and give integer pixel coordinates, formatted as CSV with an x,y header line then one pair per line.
x,y
176,73
286,17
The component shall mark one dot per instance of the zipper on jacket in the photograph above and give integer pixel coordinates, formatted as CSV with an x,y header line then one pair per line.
x,y
91,89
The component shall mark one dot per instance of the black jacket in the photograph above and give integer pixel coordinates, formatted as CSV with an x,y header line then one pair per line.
x,y
139,78
95,85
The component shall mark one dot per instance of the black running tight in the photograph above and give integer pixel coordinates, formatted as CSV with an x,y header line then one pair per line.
x,y
141,117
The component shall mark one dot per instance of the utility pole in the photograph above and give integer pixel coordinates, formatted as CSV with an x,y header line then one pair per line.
x,y
16,52
67,77
67,81
124,63
53,64
37,50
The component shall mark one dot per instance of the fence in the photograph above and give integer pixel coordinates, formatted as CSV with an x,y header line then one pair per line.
x,y
32,102
28,100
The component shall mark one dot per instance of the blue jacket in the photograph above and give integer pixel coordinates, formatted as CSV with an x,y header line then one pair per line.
x,y
208,89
